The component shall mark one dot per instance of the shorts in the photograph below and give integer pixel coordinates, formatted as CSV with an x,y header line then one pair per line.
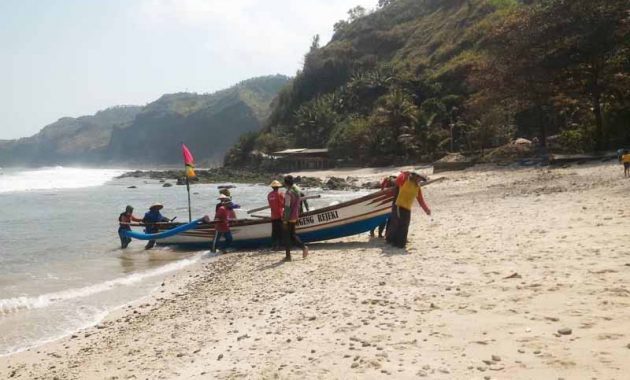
x,y
626,165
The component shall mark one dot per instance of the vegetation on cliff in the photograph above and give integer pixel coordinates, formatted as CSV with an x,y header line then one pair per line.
x,y
414,79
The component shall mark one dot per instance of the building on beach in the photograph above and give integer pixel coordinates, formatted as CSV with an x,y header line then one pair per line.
x,y
303,159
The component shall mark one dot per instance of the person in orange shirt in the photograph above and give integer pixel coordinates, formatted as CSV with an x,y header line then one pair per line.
x,y
276,204
408,184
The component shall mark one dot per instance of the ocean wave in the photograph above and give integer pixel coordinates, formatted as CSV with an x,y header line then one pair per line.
x,y
55,178
12,305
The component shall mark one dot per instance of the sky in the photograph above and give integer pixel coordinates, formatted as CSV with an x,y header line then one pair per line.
x,y
74,57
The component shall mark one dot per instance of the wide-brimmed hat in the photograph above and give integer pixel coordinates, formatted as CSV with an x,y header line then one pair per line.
x,y
275,183
158,206
224,198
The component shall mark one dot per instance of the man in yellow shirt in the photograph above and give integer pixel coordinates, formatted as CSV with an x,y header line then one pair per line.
x,y
408,184
625,159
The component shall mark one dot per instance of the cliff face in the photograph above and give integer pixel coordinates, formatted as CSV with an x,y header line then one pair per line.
x,y
207,123
69,140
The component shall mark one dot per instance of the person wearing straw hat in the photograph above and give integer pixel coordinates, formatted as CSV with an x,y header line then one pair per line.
x,y
276,205
224,214
152,217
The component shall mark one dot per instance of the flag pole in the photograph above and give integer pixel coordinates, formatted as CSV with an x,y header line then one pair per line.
x,y
188,190
189,171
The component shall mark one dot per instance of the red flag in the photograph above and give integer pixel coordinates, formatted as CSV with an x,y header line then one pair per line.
x,y
189,161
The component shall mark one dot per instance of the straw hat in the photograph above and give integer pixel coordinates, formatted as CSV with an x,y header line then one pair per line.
x,y
158,206
276,183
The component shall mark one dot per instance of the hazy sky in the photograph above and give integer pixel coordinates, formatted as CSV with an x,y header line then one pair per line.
x,y
75,57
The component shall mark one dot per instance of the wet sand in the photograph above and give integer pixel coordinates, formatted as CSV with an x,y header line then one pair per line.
x,y
521,274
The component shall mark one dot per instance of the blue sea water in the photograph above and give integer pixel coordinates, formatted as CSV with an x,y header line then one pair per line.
x,y
61,266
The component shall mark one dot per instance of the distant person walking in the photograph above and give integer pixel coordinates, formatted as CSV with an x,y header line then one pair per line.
x,y
290,218
123,225
152,217
625,160
276,204
408,190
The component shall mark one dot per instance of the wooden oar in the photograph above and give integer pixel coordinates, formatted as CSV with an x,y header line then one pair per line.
x,y
266,207
432,181
260,216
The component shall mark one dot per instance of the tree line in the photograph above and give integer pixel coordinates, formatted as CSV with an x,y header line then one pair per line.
x,y
413,80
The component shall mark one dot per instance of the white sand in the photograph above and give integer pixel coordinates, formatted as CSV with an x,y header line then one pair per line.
x,y
359,309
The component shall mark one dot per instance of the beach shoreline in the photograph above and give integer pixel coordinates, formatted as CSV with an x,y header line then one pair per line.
x,y
489,287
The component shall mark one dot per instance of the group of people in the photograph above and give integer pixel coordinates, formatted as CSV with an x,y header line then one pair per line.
x,y
406,188
286,208
150,219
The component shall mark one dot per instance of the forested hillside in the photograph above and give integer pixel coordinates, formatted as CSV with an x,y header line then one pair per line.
x,y
151,135
209,124
414,79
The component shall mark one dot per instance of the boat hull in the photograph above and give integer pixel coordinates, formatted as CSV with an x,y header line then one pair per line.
x,y
345,219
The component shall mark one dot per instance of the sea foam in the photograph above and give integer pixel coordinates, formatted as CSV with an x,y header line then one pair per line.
x,y
12,305
55,178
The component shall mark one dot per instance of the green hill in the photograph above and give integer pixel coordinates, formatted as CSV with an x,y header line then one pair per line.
x,y
414,79
151,135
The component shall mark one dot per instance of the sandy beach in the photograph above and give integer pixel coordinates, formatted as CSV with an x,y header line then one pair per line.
x,y
520,274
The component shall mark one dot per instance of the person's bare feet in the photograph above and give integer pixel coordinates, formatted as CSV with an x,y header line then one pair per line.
x,y
305,252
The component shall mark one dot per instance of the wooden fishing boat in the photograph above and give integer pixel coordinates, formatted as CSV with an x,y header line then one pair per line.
x,y
344,219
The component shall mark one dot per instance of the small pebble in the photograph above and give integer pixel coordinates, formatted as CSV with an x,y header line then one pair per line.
x,y
565,331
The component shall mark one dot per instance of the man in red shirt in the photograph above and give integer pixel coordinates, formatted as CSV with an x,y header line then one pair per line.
x,y
222,218
276,204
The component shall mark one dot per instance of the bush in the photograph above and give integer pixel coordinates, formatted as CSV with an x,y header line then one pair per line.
x,y
574,140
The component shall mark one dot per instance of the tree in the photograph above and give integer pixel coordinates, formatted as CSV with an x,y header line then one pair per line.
x,y
556,49
356,13
315,121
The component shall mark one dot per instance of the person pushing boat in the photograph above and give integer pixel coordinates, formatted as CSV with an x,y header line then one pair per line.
x,y
276,204
124,219
290,218
223,216
408,184
386,183
152,217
